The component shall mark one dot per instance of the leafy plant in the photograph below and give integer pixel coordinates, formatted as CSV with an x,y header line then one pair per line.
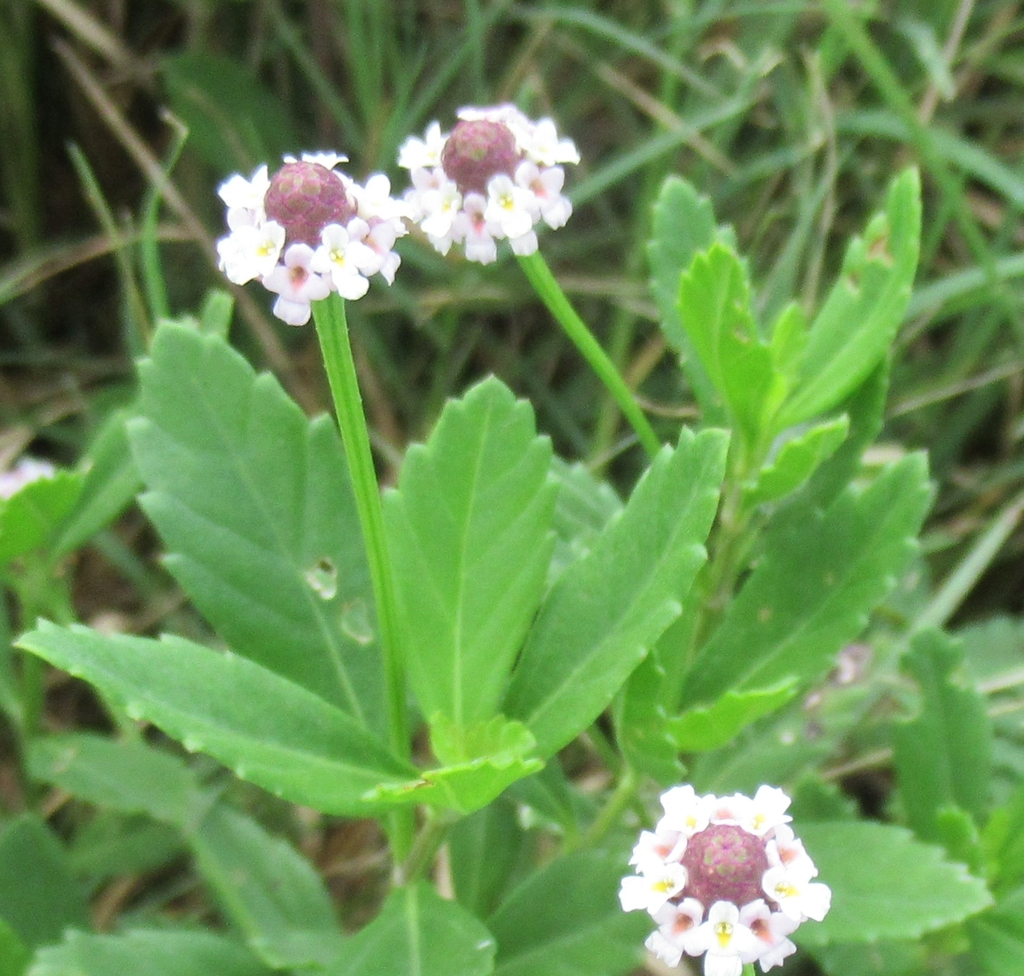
x,y
480,677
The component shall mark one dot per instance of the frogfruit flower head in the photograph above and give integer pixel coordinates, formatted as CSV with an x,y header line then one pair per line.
x,y
309,230
724,878
494,177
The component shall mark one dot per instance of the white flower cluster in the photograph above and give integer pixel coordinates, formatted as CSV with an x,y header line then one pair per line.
x,y
344,256
700,906
517,188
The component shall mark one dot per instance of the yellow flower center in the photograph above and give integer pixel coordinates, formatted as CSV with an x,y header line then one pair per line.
x,y
784,890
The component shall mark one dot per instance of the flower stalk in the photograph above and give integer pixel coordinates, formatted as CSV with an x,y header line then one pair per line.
x,y
550,292
332,331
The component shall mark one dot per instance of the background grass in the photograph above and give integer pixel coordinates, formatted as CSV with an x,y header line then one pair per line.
x,y
791,116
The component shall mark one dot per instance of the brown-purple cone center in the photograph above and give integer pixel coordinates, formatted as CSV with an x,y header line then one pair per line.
x,y
304,198
477,150
724,863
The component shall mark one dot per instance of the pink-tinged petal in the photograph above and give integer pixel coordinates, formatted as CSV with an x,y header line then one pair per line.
x,y
679,924
770,930
733,809
295,280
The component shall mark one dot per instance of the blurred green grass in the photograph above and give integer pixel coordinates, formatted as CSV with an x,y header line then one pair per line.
x,y
790,116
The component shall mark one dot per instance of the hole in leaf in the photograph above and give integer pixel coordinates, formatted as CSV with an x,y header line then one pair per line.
x,y
322,578
356,622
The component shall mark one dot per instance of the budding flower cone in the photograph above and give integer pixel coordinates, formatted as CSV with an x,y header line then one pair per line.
x,y
309,230
724,878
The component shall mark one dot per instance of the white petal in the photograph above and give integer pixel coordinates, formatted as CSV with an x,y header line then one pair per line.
x,y
293,313
665,949
326,159
525,245
722,965
351,286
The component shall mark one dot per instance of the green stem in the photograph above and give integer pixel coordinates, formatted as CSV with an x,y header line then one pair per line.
x,y
424,850
727,549
544,284
609,815
41,592
332,330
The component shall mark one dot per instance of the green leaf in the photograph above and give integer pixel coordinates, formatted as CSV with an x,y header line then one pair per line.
x,y
254,503
110,482
885,884
683,224
270,731
469,532
142,953
641,725
215,314
846,560
997,945
484,851
583,508
10,684
1003,842
14,954
32,516
858,322
480,762
796,461
132,777
699,729
957,831
269,890
874,959
565,920
788,340
39,898
714,305
112,843
233,121
944,754
866,409
418,932
997,937
606,610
